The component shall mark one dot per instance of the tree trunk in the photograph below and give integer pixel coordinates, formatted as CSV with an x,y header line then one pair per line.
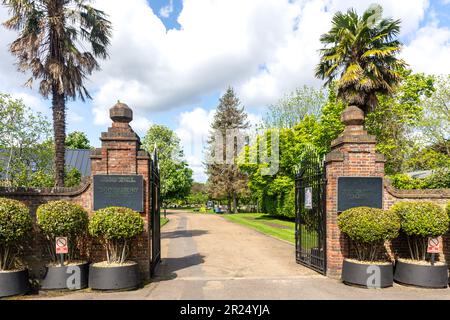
x,y
59,131
229,203
235,210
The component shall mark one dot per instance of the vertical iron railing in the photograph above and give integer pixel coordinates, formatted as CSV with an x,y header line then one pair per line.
x,y
310,222
155,214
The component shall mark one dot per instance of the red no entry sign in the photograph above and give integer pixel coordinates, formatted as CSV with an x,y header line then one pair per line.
x,y
61,245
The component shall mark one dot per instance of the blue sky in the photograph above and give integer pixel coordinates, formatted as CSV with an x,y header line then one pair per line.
x,y
171,60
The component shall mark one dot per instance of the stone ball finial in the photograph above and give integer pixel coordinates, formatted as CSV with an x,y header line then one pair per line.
x,y
121,113
352,115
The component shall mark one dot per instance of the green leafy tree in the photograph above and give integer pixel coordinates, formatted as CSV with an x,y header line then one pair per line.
x,y
292,108
25,148
436,121
360,53
52,42
397,119
77,140
175,174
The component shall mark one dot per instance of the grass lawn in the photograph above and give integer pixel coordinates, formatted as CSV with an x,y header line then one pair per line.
x,y
270,225
163,221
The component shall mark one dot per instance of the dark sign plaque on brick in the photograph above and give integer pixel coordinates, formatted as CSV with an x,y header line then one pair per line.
x,y
360,192
119,190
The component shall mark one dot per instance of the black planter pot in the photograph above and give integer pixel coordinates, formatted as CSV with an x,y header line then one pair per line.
x,y
360,274
426,276
66,277
14,283
124,277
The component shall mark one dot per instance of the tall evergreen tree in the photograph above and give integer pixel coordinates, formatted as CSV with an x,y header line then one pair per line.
x,y
224,177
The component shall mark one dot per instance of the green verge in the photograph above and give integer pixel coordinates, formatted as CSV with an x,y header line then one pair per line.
x,y
164,221
261,221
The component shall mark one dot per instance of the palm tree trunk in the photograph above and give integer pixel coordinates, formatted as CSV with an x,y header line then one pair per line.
x,y
59,129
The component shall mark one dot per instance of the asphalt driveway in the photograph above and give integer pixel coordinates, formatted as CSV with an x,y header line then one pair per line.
x,y
205,256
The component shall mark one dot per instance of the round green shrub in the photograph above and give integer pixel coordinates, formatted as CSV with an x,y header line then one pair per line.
x,y
62,219
369,225
15,222
116,223
15,226
421,219
448,209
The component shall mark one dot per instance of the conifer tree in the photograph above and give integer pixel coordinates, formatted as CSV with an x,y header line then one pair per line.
x,y
225,180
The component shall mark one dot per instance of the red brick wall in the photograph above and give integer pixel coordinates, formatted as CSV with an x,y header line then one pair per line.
x,y
120,154
353,154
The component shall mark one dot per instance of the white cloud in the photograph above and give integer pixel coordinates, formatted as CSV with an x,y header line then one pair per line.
x,y
194,130
429,50
166,11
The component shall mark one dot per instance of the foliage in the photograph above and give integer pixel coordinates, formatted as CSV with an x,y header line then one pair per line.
x,y
62,219
77,140
175,174
25,150
115,227
53,37
420,220
362,51
397,118
436,121
15,227
73,178
224,177
440,179
369,228
292,108
275,193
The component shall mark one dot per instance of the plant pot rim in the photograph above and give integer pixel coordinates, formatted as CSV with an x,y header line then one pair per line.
x,y
72,264
369,263
105,265
422,263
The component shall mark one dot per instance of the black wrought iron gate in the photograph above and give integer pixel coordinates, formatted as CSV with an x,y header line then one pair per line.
x,y
155,222
310,223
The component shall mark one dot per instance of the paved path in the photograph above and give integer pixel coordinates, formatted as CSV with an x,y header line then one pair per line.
x,y
208,257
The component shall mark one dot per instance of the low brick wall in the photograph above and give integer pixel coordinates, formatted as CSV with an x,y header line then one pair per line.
x,y
120,154
36,255
399,247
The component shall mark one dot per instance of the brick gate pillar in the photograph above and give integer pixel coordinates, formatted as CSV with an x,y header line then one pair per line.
x,y
121,153
352,155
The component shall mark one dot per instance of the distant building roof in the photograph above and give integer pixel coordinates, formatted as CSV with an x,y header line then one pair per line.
x,y
75,158
79,159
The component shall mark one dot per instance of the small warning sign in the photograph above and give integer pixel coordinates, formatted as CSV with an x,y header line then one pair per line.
x,y
434,245
61,245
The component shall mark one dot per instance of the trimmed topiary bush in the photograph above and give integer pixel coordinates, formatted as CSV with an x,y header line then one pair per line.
x,y
369,228
115,227
63,219
419,221
15,226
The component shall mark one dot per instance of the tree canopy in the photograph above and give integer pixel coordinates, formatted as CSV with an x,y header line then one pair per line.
x,y
360,53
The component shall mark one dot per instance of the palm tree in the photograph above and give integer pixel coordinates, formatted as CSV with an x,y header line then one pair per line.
x,y
51,45
361,51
